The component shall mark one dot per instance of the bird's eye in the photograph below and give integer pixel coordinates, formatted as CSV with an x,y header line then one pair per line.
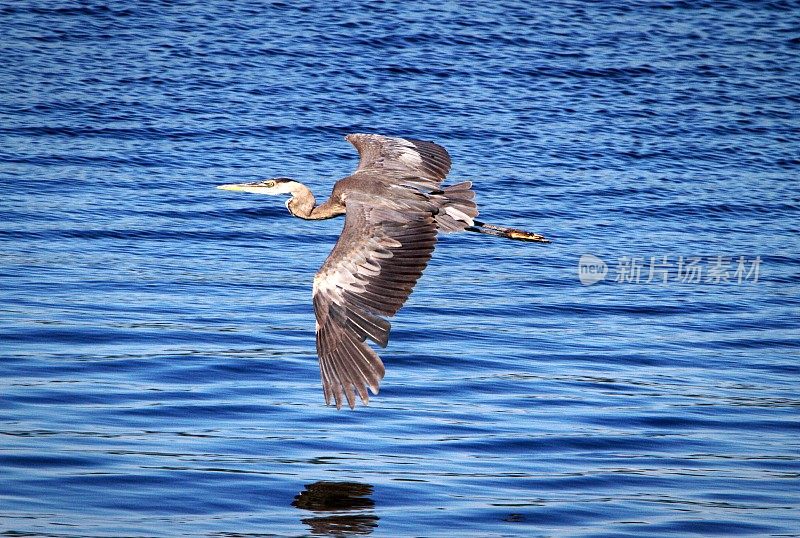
x,y
269,184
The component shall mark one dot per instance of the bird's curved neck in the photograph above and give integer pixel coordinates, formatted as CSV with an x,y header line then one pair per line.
x,y
303,205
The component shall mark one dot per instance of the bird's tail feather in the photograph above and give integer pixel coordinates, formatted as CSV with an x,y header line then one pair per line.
x,y
508,233
456,207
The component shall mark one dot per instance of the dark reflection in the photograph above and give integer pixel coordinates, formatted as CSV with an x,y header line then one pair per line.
x,y
350,498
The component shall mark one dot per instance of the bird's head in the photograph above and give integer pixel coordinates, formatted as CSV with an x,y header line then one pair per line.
x,y
272,186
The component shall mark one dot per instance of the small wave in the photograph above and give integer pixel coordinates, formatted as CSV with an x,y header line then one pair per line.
x,y
589,72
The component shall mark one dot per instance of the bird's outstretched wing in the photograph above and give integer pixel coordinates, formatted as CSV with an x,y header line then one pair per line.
x,y
368,275
427,161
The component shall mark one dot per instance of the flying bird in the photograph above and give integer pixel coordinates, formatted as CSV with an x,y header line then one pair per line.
x,y
394,206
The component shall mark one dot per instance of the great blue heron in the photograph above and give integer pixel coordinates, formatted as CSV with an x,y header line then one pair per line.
x,y
394,206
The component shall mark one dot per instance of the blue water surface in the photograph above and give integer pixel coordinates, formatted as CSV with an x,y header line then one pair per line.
x,y
158,374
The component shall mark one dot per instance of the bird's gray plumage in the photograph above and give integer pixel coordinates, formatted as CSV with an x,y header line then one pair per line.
x,y
394,206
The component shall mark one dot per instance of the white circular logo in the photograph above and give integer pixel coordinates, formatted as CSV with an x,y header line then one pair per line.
x,y
591,269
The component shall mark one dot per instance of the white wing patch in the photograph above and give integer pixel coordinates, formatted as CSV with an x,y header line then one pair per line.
x,y
457,214
409,154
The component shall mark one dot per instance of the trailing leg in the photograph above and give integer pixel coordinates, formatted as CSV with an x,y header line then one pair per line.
x,y
508,233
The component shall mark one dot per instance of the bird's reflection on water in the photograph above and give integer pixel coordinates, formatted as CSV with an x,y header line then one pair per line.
x,y
349,501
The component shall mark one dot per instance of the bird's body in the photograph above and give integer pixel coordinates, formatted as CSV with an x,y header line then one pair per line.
x,y
394,206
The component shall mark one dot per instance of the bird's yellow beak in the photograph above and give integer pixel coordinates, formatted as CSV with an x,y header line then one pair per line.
x,y
234,187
